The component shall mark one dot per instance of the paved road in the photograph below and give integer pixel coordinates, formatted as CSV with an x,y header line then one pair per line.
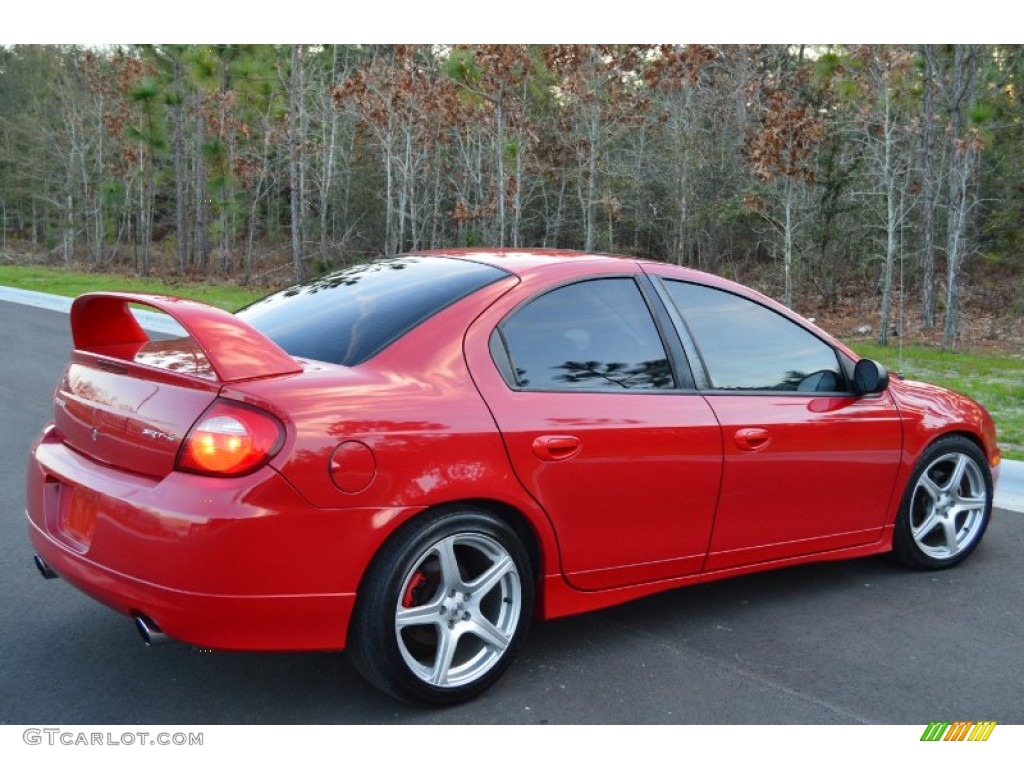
x,y
860,641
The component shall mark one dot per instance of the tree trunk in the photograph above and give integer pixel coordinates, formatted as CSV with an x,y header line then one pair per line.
x,y
405,183
961,158
390,249
517,199
202,239
143,235
327,176
68,240
100,223
303,132
889,181
930,186
787,235
180,180
294,96
590,204
500,117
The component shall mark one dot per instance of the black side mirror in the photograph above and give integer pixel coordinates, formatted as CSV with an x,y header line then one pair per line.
x,y
869,377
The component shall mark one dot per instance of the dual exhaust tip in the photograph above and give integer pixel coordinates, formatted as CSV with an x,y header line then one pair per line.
x,y
44,570
149,631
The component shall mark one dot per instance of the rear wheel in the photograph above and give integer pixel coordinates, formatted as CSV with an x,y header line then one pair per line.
x,y
443,607
946,506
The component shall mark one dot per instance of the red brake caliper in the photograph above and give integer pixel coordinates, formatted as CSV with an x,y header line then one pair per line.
x,y
410,597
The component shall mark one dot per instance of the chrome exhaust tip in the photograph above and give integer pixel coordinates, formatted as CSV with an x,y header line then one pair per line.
x,y
149,631
44,570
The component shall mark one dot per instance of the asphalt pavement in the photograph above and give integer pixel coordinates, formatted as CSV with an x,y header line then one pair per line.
x,y
861,641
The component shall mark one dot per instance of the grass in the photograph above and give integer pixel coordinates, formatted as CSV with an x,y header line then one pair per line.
x,y
67,283
995,381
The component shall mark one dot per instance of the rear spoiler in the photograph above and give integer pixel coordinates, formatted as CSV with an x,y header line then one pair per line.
x,y
102,323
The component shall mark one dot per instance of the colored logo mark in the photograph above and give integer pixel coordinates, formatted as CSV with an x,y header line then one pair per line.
x,y
960,730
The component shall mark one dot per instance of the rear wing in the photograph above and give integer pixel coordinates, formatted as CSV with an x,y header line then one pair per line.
x,y
102,324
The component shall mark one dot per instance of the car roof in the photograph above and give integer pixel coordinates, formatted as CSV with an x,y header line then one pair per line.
x,y
520,261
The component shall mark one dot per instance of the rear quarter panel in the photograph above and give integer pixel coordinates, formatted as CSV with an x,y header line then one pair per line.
x,y
415,406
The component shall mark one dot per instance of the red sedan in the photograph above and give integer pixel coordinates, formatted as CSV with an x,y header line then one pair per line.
x,y
410,459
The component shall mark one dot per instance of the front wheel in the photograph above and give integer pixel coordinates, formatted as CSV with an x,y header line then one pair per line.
x,y
443,607
946,506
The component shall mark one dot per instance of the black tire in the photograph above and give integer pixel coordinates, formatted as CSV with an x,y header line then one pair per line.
x,y
946,506
456,579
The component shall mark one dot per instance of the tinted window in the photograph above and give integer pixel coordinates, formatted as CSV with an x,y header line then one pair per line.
x,y
596,334
349,316
749,347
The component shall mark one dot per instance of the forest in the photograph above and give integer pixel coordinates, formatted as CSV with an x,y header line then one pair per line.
x,y
801,169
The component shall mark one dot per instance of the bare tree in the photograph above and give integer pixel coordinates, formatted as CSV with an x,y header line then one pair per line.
x,y
883,74
964,145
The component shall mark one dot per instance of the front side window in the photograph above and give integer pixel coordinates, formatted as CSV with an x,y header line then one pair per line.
x,y
746,346
596,334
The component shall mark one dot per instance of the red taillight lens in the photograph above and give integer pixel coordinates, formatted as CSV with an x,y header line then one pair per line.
x,y
230,439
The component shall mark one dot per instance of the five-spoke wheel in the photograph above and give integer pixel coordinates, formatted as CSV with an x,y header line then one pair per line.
x,y
946,506
458,610
442,608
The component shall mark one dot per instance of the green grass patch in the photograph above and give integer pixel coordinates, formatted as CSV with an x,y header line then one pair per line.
x,y
995,381
67,283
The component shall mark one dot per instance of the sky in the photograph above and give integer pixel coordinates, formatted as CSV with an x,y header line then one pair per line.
x,y
525,21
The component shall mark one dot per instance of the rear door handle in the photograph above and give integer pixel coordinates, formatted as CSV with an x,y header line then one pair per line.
x,y
556,447
752,439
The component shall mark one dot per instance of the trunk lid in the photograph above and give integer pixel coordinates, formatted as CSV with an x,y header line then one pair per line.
x,y
129,401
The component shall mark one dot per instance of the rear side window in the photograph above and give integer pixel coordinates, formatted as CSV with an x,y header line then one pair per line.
x,y
596,334
349,316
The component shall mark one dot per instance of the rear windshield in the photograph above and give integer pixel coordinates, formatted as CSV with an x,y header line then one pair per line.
x,y
347,317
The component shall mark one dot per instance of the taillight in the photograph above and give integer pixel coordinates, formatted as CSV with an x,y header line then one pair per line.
x,y
230,439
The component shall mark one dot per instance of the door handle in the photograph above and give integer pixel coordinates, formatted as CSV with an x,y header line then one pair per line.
x,y
752,439
556,447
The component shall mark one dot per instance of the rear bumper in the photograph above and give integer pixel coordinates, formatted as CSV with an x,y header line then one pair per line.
x,y
226,622
238,563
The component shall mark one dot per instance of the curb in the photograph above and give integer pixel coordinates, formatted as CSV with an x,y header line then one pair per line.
x,y
157,322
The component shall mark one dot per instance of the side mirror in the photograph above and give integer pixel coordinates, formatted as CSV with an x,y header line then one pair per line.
x,y
869,377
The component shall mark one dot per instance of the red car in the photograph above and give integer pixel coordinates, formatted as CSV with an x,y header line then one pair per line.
x,y
411,459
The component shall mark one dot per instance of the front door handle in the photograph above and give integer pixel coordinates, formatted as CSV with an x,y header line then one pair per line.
x,y
752,439
556,447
